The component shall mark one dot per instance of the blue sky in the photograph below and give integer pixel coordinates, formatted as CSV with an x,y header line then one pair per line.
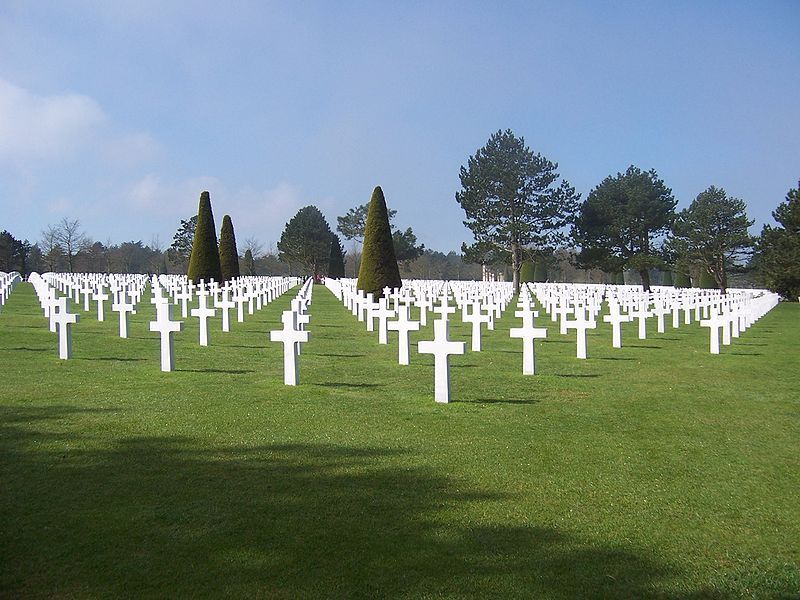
x,y
120,113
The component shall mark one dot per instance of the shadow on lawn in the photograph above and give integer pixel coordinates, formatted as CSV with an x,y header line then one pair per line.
x,y
171,517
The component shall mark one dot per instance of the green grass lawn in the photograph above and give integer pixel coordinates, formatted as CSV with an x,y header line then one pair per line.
x,y
657,470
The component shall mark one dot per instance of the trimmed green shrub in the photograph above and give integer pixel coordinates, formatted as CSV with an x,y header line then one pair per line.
x,y
378,262
228,254
204,260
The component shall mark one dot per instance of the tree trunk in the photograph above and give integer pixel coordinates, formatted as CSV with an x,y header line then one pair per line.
x,y
516,265
645,275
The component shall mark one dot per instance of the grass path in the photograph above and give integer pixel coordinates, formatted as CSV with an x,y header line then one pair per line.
x,y
654,470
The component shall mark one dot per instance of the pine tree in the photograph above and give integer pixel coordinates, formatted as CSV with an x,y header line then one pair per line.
x,y
336,262
228,254
378,262
204,260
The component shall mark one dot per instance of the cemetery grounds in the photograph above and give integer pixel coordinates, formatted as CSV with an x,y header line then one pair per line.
x,y
654,470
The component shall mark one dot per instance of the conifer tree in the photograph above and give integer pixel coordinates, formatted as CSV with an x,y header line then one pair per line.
x,y
204,260
378,262
228,253
336,263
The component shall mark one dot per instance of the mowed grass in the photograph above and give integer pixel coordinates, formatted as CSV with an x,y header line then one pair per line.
x,y
656,470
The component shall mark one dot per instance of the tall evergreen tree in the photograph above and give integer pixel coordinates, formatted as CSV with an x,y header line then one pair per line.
x,y
378,262
512,198
778,256
228,253
621,221
336,262
712,233
306,241
204,260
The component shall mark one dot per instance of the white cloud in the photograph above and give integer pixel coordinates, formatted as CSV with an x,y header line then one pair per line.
x,y
44,127
37,128
255,213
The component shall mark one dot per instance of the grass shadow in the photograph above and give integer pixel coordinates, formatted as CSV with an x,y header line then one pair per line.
x,y
155,516
579,375
26,349
334,355
500,401
211,370
339,384
113,359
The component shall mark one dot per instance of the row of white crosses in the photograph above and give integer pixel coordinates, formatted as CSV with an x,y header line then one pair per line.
x,y
7,282
182,291
392,313
293,333
730,313
126,292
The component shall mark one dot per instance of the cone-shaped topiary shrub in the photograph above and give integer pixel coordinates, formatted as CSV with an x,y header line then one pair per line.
x,y
204,260
228,254
527,272
378,262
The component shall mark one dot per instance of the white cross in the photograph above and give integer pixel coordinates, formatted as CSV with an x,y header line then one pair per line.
x,y
100,297
167,328
476,317
123,308
383,313
641,313
402,326
444,309
562,310
527,315
224,305
715,323
441,347
183,296
661,310
290,337
64,320
239,298
86,290
616,318
580,325
528,333
203,313
50,305
425,303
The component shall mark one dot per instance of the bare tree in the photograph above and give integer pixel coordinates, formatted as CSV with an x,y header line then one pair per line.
x,y
51,250
256,248
69,237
